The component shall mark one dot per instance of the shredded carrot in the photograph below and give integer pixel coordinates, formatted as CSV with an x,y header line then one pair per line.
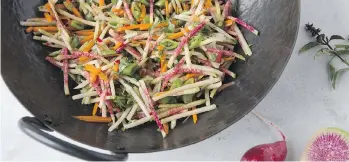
x,y
29,29
103,76
155,37
101,3
106,41
95,108
162,59
117,45
164,68
95,119
87,38
166,9
229,22
228,58
46,28
116,10
83,59
178,35
93,78
48,7
48,17
161,47
145,26
195,116
166,128
191,3
139,42
89,46
129,27
116,67
208,4
143,13
76,12
86,33
162,25
191,75
92,69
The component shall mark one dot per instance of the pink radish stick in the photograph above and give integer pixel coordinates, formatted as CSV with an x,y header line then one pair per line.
x,y
244,24
65,71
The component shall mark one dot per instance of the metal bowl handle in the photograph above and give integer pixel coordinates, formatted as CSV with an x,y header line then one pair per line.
x,y
36,130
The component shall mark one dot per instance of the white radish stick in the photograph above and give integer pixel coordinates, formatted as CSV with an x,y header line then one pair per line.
x,y
189,113
130,90
137,123
118,122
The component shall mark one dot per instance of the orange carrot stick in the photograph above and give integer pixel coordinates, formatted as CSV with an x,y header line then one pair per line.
x,y
178,35
92,69
116,67
83,59
48,17
29,29
48,7
95,108
167,9
89,46
188,76
87,38
87,33
166,128
46,28
76,12
101,3
94,119
195,116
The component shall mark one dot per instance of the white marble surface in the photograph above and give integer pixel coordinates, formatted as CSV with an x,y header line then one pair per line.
x,y
301,102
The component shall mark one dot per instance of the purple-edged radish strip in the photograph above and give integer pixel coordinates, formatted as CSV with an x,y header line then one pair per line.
x,y
276,151
185,40
244,24
65,72
245,47
144,88
127,10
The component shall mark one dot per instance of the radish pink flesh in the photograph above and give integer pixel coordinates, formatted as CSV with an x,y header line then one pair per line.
x,y
329,144
267,152
276,151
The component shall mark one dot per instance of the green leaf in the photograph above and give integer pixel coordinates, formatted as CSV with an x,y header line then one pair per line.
x,y
336,37
309,46
336,76
332,70
322,51
342,46
343,52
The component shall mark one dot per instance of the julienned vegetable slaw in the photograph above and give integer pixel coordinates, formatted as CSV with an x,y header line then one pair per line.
x,y
141,61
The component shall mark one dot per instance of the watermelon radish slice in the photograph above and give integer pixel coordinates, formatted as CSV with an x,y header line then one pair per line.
x,y
329,144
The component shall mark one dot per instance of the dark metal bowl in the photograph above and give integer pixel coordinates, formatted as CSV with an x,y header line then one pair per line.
x,y
39,86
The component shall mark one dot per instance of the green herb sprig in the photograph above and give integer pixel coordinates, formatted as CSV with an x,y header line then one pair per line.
x,y
336,50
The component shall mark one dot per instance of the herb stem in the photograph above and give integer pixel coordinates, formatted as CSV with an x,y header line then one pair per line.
x,y
334,52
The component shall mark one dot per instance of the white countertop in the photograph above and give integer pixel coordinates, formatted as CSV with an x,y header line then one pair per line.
x,y
300,103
